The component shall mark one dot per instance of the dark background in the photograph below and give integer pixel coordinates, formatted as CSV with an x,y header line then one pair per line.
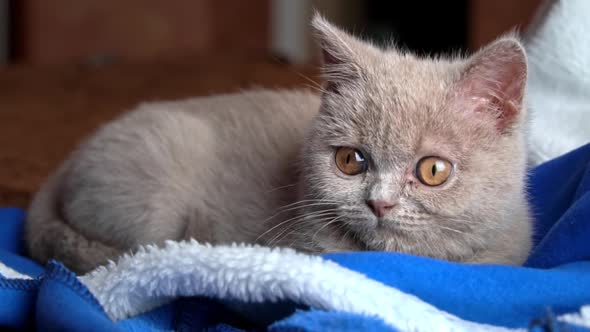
x,y
441,28
71,31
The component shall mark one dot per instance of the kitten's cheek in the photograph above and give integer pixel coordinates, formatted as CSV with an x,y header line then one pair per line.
x,y
444,205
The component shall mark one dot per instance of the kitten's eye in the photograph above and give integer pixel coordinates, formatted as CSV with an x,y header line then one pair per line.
x,y
433,171
350,161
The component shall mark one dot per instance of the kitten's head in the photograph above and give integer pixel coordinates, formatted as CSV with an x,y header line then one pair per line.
x,y
419,155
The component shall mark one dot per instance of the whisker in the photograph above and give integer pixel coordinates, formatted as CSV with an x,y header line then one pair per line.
x,y
307,219
347,231
292,206
309,200
450,229
282,187
311,214
324,226
297,226
321,90
315,84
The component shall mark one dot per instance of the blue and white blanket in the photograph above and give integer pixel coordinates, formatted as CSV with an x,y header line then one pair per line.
x,y
192,287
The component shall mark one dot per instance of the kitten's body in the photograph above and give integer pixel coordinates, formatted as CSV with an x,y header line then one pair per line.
x,y
208,168
257,167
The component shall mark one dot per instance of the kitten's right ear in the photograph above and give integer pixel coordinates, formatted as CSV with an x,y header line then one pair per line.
x,y
495,78
340,52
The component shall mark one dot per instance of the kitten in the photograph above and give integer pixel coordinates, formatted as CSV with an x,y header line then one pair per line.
x,y
399,153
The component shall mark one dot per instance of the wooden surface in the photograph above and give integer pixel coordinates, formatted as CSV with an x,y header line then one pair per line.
x,y
45,112
66,31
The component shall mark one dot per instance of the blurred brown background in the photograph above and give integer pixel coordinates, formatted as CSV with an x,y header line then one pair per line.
x,y
70,65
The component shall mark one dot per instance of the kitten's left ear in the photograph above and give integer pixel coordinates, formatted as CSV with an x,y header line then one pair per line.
x,y
495,80
342,53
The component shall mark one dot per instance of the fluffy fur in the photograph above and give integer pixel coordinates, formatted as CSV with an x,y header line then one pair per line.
x,y
259,166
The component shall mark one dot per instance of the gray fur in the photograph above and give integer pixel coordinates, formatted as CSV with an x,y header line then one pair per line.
x,y
258,166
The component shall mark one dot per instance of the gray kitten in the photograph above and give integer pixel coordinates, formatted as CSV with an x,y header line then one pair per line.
x,y
399,153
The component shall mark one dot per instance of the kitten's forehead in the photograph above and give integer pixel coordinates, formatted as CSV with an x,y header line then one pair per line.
x,y
401,102
406,79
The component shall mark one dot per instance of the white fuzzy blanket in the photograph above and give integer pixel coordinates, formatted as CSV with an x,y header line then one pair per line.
x,y
558,45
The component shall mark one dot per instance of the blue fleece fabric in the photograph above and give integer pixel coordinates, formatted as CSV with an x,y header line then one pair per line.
x,y
555,280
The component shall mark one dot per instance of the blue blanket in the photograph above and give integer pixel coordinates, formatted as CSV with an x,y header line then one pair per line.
x,y
189,286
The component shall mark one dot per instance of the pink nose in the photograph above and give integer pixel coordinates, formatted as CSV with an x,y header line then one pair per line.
x,y
380,208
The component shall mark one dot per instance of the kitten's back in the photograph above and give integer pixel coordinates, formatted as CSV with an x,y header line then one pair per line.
x,y
168,171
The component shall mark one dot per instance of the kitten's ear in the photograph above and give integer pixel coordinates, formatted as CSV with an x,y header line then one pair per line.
x,y
341,53
495,79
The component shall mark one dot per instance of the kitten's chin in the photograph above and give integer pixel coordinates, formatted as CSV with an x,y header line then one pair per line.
x,y
389,235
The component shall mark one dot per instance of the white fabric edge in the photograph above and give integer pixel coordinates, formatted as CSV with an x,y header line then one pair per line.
x,y
154,276
9,273
581,319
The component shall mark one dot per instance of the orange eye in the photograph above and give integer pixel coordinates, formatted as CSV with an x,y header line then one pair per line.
x,y
350,161
433,171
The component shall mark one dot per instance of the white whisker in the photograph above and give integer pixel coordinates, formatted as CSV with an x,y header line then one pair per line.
x,y
294,219
324,226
